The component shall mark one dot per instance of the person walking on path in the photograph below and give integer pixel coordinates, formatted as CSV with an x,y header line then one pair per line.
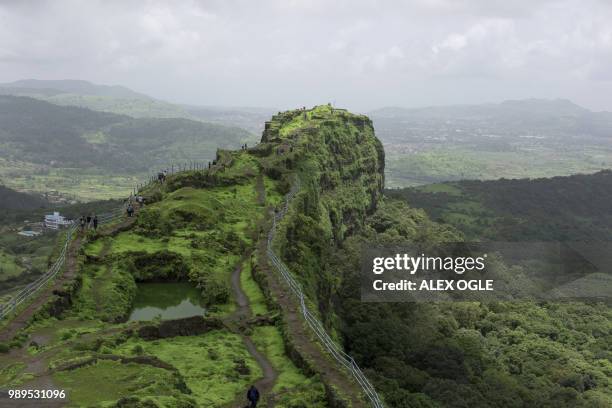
x,y
130,210
95,222
253,396
82,223
88,224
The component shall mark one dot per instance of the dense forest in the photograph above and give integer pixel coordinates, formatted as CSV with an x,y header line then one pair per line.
x,y
468,354
574,208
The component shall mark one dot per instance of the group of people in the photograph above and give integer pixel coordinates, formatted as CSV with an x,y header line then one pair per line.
x,y
140,200
88,221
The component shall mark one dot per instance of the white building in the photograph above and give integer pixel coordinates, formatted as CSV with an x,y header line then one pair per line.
x,y
56,221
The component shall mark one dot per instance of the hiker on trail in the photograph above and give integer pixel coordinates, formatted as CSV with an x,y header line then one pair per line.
x,y
95,222
82,223
253,396
160,177
130,210
88,221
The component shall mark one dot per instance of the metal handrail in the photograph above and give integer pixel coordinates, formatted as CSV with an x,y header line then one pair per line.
x,y
334,349
313,322
31,288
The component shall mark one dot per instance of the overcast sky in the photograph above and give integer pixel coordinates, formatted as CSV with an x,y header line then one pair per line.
x,y
285,53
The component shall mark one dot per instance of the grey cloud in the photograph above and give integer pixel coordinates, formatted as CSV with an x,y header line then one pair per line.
x,y
361,53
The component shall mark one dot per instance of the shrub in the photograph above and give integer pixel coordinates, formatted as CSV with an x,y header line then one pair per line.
x,y
138,350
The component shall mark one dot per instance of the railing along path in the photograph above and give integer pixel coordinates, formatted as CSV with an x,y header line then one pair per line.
x,y
32,288
313,322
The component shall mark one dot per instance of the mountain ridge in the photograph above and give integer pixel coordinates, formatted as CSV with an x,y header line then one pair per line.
x,y
519,104
75,86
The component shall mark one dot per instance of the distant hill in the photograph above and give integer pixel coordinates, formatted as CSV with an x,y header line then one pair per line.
x,y
104,98
42,133
124,101
574,208
14,200
554,117
513,139
72,86
530,106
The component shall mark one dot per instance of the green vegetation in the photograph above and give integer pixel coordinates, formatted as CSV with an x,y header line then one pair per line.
x,y
257,300
573,208
194,234
48,147
103,383
458,354
442,164
23,259
135,107
340,163
468,354
215,366
199,226
292,388
123,101
9,266
68,184
14,200
513,139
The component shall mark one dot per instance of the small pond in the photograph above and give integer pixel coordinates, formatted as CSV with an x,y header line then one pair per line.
x,y
171,300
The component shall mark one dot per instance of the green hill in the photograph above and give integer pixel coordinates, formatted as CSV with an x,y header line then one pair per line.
x,y
64,148
72,86
199,227
14,200
573,208
124,101
209,229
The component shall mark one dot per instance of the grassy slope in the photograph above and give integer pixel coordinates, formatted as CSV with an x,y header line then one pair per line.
x,y
196,227
9,266
23,259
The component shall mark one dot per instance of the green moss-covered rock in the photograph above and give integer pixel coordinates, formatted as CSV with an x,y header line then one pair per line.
x,y
340,165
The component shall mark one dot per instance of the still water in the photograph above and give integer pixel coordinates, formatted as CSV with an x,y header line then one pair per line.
x,y
172,300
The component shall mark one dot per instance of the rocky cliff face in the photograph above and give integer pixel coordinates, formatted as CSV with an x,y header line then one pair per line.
x,y
340,164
